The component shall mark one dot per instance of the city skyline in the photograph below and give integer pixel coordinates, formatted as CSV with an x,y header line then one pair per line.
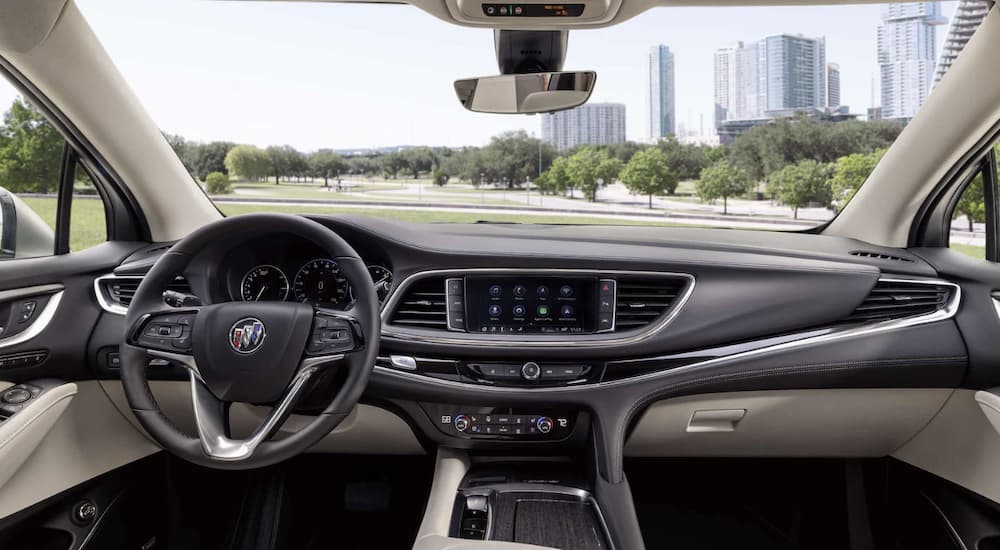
x,y
307,87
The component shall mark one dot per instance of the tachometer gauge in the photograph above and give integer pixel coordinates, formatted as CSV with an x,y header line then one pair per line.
x,y
320,282
264,283
382,278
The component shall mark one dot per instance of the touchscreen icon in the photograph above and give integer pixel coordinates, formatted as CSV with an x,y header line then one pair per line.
x,y
495,310
543,291
566,291
566,311
543,311
496,290
520,291
519,311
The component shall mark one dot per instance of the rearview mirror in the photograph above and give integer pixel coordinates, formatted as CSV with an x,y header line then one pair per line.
x,y
526,93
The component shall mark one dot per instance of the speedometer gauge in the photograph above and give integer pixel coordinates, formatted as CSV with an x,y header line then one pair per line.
x,y
320,282
264,283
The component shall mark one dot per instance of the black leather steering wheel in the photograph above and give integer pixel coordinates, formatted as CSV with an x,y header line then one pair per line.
x,y
254,352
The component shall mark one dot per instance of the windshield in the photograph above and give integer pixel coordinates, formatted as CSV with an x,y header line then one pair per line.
x,y
759,117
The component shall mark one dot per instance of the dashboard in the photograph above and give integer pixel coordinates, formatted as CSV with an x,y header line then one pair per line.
x,y
287,268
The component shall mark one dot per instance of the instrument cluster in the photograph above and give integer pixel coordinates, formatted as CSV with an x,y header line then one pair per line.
x,y
295,271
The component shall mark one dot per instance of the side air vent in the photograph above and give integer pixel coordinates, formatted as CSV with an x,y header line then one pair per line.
x,y
893,299
118,291
642,301
878,256
423,305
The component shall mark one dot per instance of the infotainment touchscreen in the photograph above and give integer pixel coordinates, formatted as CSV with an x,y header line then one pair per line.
x,y
513,304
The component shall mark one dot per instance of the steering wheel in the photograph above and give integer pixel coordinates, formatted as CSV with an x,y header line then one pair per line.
x,y
253,352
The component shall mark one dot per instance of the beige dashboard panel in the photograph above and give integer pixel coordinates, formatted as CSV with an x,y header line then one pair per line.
x,y
792,423
89,438
368,429
959,445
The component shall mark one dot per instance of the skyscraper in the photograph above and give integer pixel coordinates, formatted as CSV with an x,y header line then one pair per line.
x,y
792,72
588,124
776,76
966,19
906,49
662,114
832,85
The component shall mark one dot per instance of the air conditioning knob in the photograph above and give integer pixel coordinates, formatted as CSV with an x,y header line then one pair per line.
x,y
462,423
531,371
544,424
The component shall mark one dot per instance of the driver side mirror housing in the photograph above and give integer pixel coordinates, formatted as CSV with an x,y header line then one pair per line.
x,y
23,233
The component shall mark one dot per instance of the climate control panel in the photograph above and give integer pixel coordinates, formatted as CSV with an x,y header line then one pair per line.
x,y
479,423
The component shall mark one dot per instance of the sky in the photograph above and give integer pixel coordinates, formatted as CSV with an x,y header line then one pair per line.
x,y
329,75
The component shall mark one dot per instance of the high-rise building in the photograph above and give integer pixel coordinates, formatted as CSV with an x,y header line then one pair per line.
x,y
906,48
832,75
793,73
662,114
964,22
776,76
588,124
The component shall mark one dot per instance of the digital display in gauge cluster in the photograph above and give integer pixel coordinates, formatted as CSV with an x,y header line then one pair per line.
x,y
537,305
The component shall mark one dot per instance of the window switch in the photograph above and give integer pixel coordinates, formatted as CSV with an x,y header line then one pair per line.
x,y
27,311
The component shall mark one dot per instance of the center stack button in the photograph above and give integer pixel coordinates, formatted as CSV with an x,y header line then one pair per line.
x,y
531,371
455,296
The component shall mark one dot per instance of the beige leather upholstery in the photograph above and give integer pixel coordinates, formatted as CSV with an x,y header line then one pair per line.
x,y
21,434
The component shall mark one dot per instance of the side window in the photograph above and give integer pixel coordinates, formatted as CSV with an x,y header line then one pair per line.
x,y
974,225
48,202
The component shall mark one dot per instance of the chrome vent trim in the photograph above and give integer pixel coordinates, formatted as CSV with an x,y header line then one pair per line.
x,y
443,336
892,299
641,301
114,292
423,305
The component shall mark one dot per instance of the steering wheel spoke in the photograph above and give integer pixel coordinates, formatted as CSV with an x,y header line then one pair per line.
x,y
210,418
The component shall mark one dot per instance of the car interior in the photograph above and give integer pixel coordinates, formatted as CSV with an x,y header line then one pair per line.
x,y
277,380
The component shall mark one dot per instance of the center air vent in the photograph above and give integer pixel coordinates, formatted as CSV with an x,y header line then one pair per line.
x,y
423,305
642,301
895,299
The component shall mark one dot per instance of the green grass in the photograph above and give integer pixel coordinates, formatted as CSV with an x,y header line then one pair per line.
x,y
978,252
88,221
88,226
430,216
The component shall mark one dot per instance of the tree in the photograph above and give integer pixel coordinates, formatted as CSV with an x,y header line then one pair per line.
x,y
392,163
972,203
440,177
210,157
721,181
30,150
326,164
647,173
849,173
800,184
417,160
686,161
184,149
217,183
248,162
556,179
590,169
282,159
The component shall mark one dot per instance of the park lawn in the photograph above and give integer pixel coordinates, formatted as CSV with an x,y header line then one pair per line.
x,y
89,227
978,252
430,216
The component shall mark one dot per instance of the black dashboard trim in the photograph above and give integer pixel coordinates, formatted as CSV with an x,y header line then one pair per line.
x,y
530,341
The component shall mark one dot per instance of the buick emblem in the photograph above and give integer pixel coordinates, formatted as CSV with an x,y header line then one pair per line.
x,y
247,335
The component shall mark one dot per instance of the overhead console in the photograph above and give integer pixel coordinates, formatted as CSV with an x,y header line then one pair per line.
x,y
533,15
